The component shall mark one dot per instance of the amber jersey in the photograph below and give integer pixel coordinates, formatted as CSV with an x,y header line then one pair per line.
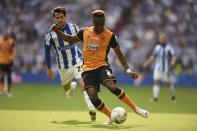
x,y
6,51
96,47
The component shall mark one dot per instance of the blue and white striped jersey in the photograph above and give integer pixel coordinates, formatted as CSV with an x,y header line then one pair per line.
x,y
163,55
67,54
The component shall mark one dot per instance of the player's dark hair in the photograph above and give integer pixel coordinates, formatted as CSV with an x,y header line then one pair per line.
x,y
59,10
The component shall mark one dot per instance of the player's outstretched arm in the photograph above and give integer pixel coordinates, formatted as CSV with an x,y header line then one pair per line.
x,y
123,61
67,38
150,60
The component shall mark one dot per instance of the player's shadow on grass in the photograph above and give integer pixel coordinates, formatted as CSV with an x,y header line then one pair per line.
x,y
115,126
71,122
93,125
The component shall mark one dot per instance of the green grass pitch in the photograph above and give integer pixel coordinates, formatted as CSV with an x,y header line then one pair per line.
x,y
45,108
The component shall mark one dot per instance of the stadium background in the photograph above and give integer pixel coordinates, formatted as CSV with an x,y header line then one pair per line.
x,y
136,23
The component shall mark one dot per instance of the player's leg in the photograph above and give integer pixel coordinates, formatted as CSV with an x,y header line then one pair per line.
x,y
66,77
98,104
9,84
172,90
1,88
110,82
8,80
168,81
1,83
93,94
67,89
1,79
91,109
91,85
89,104
156,86
6,70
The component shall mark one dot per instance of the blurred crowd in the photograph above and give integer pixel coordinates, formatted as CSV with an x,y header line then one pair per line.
x,y
136,23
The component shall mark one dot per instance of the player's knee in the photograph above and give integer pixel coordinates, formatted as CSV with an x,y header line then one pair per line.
x,y
110,85
91,91
115,90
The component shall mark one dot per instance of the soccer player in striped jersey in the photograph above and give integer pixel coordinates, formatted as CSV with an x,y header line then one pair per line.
x,y
68,57
165,59
97,41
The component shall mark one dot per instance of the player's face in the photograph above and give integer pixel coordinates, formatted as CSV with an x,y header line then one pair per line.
x,y
99,23
162,38
60,19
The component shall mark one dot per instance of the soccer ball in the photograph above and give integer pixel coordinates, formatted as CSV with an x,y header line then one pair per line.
x,y
119,115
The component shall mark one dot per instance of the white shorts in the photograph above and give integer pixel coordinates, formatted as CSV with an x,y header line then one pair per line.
x,y
158,75
66,75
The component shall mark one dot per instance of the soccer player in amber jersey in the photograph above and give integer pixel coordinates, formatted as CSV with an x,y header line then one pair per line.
x,y
97,41
7,55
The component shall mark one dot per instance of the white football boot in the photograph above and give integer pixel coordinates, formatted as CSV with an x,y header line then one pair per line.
x,y
142,112
108,122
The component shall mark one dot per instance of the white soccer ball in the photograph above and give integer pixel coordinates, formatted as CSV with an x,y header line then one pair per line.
x,y
119,115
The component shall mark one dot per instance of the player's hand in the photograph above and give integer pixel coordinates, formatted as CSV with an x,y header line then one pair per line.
x,y
132,74
50,74
173,63
54,27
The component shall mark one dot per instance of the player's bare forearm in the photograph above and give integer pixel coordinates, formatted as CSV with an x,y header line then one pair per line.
x,y
173,61
67,38
150,60
121,58
123,61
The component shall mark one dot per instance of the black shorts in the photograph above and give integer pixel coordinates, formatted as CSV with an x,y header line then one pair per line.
x,y
6,69
98,76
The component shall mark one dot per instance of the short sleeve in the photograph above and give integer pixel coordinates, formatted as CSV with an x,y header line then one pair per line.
x,y
76,28
80,34
113,41
155,51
